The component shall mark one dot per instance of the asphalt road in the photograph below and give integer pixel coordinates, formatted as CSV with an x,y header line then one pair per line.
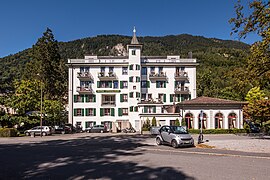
x,y
122,157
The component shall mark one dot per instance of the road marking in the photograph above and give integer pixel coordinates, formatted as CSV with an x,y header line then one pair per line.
x,y
205,153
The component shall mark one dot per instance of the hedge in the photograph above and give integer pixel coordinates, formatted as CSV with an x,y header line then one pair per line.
x,y
217,131
8,132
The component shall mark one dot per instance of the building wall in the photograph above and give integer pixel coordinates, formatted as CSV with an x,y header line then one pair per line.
x,y
210,117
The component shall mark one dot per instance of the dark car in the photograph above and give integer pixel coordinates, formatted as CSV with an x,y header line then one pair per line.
x,y
62,130
254,128
98,129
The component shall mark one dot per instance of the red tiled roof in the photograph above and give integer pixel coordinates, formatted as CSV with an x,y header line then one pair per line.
x,y
209,100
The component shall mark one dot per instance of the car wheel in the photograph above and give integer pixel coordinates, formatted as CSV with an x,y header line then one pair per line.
x,y
174,144
158,141
44,134
63,132
27,134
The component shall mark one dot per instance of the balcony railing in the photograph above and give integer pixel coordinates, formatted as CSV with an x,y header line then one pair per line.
x,y
85,75
158,76
181,76
181,90
85,90
108,103
108,76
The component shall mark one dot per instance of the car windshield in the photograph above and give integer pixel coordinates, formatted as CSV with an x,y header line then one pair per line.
x,y
179,130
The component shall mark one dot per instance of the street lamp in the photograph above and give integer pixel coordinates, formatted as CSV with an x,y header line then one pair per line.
x,y
40,105
200,138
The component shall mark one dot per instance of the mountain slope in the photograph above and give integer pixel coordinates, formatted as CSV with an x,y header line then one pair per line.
x,y
216,57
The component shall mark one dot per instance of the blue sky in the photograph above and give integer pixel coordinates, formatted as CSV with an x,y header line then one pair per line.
x,y
22,22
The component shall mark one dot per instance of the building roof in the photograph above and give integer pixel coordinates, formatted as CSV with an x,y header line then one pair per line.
x,y
134,38
211,101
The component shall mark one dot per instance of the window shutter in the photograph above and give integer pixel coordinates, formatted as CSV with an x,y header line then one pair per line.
x,y
121,84
121,98
82,112
182,98
98,84
82,97
131,108
165,84
112,111
86,98
94,98
148,84
164,97
154,109
101,111
171,98
110,84
86,112
75,98
94,111
75,112
145,109
131,67
120,113
94,122
131,79
157,84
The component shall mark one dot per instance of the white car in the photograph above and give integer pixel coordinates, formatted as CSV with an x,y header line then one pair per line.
x,y
45,130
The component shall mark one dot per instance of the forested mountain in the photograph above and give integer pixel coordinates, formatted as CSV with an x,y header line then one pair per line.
x,y
218,58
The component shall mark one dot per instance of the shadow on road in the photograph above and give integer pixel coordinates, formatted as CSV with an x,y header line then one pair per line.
x,y
82,158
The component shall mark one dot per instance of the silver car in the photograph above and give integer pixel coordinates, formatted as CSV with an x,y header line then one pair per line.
x,y
46,130
175,136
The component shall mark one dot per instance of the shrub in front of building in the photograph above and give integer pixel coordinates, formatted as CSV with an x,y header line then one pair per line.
x,y
8,132
217,131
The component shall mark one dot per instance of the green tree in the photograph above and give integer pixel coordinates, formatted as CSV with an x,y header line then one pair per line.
x,y
55,112
177,122
26,97
255,21
47,66
255,94
154,121
259,110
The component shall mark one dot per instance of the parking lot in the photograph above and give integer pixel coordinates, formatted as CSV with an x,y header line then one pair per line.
x,y
123,156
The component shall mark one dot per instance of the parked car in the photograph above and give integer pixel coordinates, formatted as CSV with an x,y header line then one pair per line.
x,y
175,136
154,130
62,130
45,130
98,129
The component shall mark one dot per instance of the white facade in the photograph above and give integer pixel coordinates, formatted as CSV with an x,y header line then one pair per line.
x,y
118,90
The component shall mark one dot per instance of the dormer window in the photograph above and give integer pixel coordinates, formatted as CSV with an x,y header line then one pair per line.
x,y
133,52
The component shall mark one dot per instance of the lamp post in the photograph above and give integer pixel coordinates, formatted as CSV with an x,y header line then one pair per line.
x,y
200,139
41,109
40,105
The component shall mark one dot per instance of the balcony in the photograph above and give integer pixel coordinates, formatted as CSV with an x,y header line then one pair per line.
x,y
108,76
181,90
158,76
85,90
85,76
181,76
110,103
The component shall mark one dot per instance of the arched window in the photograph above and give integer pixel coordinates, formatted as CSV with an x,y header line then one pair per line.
x,y
232,120
189,120
218,120
204,122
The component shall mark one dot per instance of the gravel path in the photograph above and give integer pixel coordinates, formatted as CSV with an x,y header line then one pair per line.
x,y
239,143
